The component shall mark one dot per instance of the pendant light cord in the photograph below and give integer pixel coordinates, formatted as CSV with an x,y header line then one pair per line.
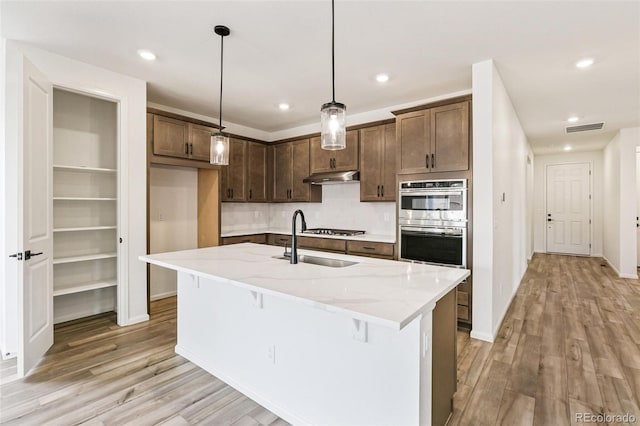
x,y
221,69
333,54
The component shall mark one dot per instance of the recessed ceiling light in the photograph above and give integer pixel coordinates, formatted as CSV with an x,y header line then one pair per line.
x,y
567,148
584,63
573,119
147,54
382,78
284,107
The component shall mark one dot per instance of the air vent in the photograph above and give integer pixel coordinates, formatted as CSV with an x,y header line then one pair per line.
x,y
585,127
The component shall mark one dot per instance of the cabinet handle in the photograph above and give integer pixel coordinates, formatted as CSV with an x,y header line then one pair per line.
x,y
231,192
190,149
382,190
250,194
426,160
186,148
368,248
433,161
378,190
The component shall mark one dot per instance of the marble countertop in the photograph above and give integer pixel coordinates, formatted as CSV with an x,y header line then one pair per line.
x,y
364,237
384,292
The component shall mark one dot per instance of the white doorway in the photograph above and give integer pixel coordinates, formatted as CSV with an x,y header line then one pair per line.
x,y
569,208
638,204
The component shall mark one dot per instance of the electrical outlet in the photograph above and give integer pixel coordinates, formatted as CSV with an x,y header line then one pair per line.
x,y
271,353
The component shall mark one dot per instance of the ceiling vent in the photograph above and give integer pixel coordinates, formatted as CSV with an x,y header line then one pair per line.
x,y
585,127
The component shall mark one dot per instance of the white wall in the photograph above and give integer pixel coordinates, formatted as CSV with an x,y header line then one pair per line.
x,y
595,159
3,249
173,221
501,224
131,95
340,208
620,235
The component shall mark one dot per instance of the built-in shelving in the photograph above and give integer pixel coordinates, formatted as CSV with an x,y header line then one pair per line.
x,y
84,198
84,228
85,169
79,288
85,205
83,258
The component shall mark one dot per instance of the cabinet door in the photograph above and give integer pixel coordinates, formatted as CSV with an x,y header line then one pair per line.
x,y
414,136
256,172
371,154
170,137
281,171
450,137
323,160
199,141
389,190
233,175
300,169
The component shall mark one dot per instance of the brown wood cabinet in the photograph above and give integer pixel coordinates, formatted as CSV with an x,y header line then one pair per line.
x,y
278,240
290,167
434,140
378,163
322,244
371,249
177,138
233,176
256,238
323,160
257,167
464,302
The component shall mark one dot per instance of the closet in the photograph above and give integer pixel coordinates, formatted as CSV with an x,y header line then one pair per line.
x,y
85,205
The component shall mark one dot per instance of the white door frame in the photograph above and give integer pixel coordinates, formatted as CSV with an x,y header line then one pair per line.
x,y
544,219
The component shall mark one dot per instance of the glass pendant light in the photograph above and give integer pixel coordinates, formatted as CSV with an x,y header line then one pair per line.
x,y
219,149
333,114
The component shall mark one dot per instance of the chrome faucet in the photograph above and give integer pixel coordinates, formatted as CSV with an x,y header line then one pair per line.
x,y
294,237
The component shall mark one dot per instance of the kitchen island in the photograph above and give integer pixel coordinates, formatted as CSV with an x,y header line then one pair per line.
x,y
316,344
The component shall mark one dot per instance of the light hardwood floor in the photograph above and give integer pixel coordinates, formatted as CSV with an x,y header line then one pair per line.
x,y
569,344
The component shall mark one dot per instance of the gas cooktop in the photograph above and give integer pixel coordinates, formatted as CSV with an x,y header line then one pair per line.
x,y
328,231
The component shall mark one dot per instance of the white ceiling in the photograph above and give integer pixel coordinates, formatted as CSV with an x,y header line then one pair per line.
x,y
279,51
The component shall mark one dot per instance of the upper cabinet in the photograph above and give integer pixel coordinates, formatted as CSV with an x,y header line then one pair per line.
x,y
290,167
378,163
434,140
323,160
181,139
257,172
233,176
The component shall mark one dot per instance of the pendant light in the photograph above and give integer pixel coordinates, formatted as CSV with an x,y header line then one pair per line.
x,y
219,149
333,114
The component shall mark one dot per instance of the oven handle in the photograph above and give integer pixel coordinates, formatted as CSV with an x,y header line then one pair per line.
x,y
432,231
432,192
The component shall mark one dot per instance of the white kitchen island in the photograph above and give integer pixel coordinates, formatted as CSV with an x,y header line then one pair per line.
x,y
314,344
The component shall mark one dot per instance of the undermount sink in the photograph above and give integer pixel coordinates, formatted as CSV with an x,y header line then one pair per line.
x,y
323,261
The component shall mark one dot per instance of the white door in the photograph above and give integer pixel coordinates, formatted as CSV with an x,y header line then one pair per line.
x,y
568,209
34,176
638,205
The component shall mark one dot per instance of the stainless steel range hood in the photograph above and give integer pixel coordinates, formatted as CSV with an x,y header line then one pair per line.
x,y
333,177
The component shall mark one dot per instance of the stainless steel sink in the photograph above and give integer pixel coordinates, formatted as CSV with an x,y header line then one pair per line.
x,y
323,261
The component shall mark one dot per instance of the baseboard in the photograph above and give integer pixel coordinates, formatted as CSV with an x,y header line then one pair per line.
x,y
138,319
164,295
631,276
244,389
487,337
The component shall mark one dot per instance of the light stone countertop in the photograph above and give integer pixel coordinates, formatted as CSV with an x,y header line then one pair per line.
x,y
384,292
363,237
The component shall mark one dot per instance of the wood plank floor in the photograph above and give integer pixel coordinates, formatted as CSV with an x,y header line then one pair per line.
x,y
570,343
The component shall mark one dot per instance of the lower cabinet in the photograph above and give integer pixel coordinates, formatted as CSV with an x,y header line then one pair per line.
x,y
371,249
256,238
278,240
464,302
322,244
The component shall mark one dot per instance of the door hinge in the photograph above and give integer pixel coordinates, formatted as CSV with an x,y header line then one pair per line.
x,y
589,172
589,245
18,256
589,221
589,196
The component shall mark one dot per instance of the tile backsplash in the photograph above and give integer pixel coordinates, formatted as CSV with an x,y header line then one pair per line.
x,y
340,208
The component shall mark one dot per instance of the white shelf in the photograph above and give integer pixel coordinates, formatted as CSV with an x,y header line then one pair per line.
x,y
86,287
84,228
84,198
85,258
84,169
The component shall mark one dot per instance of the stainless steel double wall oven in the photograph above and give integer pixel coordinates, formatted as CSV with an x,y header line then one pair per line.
x,y
433,222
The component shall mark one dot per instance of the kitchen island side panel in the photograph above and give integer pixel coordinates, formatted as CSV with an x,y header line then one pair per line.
x,y
302,362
